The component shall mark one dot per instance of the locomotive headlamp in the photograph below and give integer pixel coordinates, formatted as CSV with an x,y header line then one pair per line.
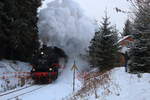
x,y
50,69
33,69
42,53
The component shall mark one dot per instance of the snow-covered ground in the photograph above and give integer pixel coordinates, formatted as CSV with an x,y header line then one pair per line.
x,y
14,94
8,72
125,86
132,87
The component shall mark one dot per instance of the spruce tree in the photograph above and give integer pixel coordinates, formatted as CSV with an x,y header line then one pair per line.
x,y
18,29
140,52
127,30
103,48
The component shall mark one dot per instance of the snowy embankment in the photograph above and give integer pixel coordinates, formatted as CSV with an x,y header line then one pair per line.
x,y
9,71
132,86
123,86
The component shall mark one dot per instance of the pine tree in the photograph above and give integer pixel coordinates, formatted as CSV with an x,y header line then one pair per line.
x,y
140,52
103,48
18,29
127,28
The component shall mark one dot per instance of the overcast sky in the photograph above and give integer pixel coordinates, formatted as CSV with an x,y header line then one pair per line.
x,y
95,10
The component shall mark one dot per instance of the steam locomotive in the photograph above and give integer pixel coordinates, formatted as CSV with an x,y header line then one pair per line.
x,y
46,64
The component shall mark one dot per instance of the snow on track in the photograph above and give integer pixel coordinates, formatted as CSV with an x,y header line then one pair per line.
x,y
12,95
15,90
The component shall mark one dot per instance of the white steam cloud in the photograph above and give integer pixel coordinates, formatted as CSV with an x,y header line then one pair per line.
x,y
64,25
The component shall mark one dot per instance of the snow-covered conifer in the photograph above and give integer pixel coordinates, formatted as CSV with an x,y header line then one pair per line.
x,y
18,29
103,48
140,52
127,30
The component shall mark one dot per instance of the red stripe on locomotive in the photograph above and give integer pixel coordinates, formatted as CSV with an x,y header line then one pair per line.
x,y
44,74
39,74
53,73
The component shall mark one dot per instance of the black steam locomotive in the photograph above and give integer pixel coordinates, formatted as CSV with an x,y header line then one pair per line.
x,y
46,64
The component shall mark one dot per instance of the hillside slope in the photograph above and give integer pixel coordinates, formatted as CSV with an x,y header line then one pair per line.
x,y
9,72
122,86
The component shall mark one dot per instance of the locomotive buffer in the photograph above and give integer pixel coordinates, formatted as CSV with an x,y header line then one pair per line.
x,y
74,68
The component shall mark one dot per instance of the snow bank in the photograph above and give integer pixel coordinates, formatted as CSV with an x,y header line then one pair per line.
x,y
131,86
124,86
8,71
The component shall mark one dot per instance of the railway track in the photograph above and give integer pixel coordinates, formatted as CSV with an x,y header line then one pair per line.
x,y
17,93
6,93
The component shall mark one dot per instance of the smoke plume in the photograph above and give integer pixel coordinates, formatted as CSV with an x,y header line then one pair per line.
x,y
63,24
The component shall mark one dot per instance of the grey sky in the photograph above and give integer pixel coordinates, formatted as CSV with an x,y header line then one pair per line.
x,y
95,9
